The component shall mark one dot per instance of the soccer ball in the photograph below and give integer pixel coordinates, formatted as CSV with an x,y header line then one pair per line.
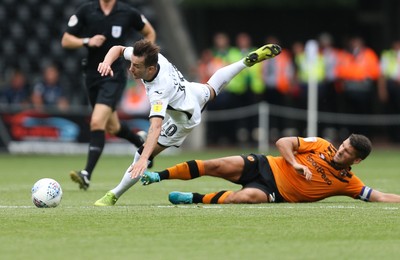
x,y
46,193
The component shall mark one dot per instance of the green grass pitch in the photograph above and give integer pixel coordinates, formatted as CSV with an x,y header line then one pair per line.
x,y
144,225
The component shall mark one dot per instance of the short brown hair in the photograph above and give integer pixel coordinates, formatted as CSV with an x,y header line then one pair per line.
x,y
148,50
361,144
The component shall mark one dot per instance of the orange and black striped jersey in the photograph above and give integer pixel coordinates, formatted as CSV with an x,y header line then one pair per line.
x,y
317,154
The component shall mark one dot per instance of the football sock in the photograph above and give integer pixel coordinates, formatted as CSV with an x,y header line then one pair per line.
x,y
126,133
184,171
211,198
96,145
222,76
126,181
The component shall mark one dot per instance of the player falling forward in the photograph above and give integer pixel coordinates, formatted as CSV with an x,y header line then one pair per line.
x,y
169,94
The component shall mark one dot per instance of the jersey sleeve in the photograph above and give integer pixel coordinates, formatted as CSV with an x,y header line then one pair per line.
x,y
158,103
128,52
76,22
311,143
138,19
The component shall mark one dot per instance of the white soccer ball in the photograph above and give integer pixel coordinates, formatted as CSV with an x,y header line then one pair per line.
x,y
46,193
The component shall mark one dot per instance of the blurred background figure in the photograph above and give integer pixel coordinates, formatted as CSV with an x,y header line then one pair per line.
x,y
16,91
302,75
359,71
389,85
48,92
245,89
278,79
207,65
222,132
332,57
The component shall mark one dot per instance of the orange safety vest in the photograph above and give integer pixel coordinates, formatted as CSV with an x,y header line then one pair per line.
x,y
284,70
365,65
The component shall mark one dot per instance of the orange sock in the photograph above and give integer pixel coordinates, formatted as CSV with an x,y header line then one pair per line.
x,y
216,197
186,171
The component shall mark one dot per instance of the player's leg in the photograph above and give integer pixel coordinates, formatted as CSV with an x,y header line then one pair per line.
x,y
172,134
265,52
111,197
229,168
98,121
244,196
224,75
121,130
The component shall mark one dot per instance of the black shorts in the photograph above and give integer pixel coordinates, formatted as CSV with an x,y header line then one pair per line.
x,y
107,90
258,174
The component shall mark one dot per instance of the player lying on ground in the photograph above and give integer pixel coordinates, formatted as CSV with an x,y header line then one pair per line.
x,y
308,170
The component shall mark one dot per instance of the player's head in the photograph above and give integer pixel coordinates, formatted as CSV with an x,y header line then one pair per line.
x,y
148,50
361,144
352,151
144,59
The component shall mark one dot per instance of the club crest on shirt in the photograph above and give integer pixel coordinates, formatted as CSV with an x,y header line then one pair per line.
x,y
156,106
116,31
250,158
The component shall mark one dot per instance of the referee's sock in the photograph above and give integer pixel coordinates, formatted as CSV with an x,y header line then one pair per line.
x,y
184,171
96,146
126,133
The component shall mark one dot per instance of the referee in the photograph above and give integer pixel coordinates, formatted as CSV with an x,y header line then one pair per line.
x,y
97,26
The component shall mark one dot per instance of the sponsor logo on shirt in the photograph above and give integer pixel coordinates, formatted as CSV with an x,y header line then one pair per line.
x,y
318,168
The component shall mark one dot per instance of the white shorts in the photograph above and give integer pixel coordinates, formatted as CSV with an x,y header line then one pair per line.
x,y
178,125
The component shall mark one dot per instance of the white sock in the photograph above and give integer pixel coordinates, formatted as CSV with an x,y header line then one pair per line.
x,y
225,74
126,181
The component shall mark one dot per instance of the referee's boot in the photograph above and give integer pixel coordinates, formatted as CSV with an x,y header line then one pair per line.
x,y
80,177
268,51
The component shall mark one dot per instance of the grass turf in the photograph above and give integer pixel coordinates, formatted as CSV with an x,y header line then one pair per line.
x,y
144,225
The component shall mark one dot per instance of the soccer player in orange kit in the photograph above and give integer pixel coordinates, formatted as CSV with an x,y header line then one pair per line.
x,y
309,169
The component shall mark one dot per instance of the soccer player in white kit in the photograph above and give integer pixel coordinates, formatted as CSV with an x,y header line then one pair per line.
x,y
171,95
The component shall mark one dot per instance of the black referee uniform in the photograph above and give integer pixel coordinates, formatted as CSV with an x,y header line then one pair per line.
x,y
89,20
117,27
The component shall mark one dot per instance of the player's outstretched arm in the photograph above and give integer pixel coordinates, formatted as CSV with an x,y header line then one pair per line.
x,y
377,196
114,53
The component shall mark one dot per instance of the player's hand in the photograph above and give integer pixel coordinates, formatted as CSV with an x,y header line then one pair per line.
x,y
138,168
303,170
105,69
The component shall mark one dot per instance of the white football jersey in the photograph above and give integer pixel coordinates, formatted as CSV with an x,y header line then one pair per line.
x,y
172,96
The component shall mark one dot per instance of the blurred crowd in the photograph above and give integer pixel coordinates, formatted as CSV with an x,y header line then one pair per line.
x,y
353,79
18,92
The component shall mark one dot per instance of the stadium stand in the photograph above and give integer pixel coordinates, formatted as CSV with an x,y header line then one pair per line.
x,y
31,31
